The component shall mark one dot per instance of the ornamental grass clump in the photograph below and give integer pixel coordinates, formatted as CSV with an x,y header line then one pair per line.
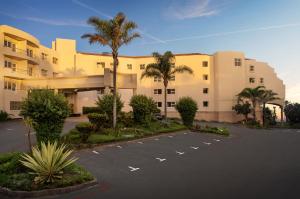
x,y
48,163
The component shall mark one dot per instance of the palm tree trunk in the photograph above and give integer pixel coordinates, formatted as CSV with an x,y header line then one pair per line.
x,y
115,57
263,114
29,139
165,98
254,110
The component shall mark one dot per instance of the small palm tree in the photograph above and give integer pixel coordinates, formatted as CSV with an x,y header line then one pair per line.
x,y
114,33
163,68
254,95
267,96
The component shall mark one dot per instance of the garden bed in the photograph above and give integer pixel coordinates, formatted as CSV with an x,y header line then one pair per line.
x,y
17,180
214,130
122,134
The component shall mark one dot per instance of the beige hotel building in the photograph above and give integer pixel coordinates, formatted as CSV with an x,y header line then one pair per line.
x,y
26,64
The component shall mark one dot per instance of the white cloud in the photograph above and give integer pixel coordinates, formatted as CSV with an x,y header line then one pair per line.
x,y
194,8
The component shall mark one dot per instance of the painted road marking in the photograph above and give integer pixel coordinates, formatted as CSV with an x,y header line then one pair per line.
x,y
120,147
184,133
207,143
179,153
217,140
140,142
156,139
132,168
10,129
161,159
194,147
170,136
298,131
96,152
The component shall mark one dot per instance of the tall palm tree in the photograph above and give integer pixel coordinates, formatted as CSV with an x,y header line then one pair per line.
x,y
267,96
164,69
254,95
114,33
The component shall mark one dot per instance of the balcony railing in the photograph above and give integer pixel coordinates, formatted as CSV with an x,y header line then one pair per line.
x,y
22,52
22,72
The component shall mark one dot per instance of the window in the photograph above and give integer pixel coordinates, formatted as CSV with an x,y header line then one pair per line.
x,y
205,103
205,77
7,43
15,105
205,64
171,91
158,104
261,80
13,67
157,79
172,78
100,64
13,86
157,91
251,80
129,66
251,69
29,71
10,85
29,52
237,62
205,90
142,66
44,72
170,104
54,60
7,64
44,56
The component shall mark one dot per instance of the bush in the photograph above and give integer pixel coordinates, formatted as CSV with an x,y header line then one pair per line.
x,y
270,117
126,119
292,113
187,108
85,129
252,123
143,108
3,116
242,109
105,104
47,111
48,162
87,110
98,120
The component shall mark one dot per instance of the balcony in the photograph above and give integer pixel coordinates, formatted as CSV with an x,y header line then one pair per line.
x,y
20,73
20,54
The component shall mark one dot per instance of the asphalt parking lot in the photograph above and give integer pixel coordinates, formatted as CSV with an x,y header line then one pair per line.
x,y
250,163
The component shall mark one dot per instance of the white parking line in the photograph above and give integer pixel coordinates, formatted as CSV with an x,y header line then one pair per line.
x,y
179,153
120,147
161,159
217,140
185,133
132,168
140,142
298,131
156,139
207,143
96,152
170,136
194,147
9,129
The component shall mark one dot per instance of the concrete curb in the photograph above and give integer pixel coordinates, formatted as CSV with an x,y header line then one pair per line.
x,y
46,192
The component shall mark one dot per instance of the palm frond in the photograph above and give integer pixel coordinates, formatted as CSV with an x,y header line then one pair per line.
x,y
182,69
151,72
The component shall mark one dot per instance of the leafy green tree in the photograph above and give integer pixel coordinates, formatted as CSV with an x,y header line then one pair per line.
x,y
164,69
47,112
292,113
267,96
187,108
106,103
242,108
114,33
143,108
253,95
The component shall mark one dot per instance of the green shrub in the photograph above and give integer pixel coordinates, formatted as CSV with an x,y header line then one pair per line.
x,y
9,163
47,111
292,113
105,104
3,116
253,124
187,108
85,129
126,119
48,162
87,110
98,120
143,108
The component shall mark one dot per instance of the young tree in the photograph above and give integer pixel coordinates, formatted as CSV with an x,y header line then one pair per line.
x,y
254,95
114,33
243,109
267,96
164,68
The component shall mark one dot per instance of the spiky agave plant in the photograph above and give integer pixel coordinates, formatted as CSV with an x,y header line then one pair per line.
x,y
48,162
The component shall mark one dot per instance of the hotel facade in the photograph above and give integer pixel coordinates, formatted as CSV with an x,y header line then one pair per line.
x,y
82,77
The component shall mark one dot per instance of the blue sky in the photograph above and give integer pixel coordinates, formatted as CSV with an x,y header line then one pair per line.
x,y
267,30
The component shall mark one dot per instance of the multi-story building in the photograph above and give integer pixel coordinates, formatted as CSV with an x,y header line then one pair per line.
x,y
217,78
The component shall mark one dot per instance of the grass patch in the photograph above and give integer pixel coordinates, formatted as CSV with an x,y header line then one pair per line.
x,y
15,176
109,135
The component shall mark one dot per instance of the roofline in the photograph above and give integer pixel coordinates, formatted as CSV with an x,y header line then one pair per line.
x,y
143,56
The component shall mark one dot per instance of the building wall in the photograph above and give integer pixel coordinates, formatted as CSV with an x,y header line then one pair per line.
x,y
84,75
